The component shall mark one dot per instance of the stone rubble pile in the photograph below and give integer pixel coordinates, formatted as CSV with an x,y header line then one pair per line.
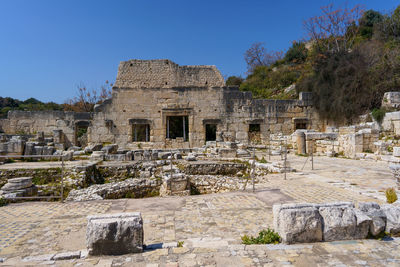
x,y
137,187
302,223
19,187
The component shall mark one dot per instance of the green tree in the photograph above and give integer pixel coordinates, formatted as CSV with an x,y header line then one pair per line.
x,y
367,22
297,53
234,81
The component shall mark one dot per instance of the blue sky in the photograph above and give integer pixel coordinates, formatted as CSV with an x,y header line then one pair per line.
x,y
48,47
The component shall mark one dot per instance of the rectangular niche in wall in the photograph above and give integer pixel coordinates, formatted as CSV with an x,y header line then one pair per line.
x,y
254,133
211,132
177,127
300,123
140,132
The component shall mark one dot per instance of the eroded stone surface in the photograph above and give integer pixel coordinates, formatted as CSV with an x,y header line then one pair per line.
x,y
339,223
114,234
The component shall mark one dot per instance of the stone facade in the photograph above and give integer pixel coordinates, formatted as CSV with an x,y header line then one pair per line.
x,y
391,100
159,104
150,94
31,122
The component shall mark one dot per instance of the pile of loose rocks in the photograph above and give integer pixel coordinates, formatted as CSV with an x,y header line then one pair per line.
x,y
132,188
299,223
19,187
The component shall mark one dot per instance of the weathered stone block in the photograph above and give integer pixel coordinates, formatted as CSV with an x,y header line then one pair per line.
x,y
393,218
368,206
97,155
298,223
378,224
110,149
115,234
227,153
363,225
18,183
339,223
191,157
175,184
396,151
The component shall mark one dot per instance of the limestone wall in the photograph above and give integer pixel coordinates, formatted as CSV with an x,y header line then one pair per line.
x,y
165,74
232,110
31,122
391,100
147,92
391,123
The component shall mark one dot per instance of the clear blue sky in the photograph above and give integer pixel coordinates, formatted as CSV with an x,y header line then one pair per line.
x,y
48,47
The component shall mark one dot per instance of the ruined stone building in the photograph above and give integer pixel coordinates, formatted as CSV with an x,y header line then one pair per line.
x,y
159,104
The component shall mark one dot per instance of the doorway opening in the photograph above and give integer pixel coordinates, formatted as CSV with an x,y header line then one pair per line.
x,y
255,133
211,132
178,127
81,129
140,132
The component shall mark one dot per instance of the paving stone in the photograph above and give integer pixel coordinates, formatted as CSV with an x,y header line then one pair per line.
x,y
220,218
67,255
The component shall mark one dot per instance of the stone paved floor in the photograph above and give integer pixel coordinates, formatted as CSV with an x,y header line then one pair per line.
x,y
209,225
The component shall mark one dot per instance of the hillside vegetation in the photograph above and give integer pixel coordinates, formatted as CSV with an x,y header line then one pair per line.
x,y
349,59
8,103
84,101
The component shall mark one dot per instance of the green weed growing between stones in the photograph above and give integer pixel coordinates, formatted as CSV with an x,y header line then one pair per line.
x,y
391,195
268,236
3,201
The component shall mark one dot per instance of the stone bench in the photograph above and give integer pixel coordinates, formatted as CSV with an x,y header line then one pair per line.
x,y
114,234
298,223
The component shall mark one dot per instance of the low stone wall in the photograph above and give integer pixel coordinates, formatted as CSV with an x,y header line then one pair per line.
x,y
305,223
206,184
40,176
130,188
214,168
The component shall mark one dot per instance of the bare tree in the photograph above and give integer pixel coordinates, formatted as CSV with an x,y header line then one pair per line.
x,y
85,99
389,27
257,55
336,29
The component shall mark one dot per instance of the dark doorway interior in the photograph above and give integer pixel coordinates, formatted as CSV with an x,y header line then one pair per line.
x,y
81,129
140,132
211,132
178,127
254,133
301,125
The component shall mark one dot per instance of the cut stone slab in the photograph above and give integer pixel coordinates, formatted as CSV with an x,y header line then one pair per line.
x,y
298,223
396,151
67,255
115,234
339,223
17,183
368,206
393,218
363,225
175,184
378,224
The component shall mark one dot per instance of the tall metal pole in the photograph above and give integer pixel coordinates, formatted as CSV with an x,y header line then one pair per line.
x,y
284,162
171,164
312,154
62,178
269,147
184,129
252,169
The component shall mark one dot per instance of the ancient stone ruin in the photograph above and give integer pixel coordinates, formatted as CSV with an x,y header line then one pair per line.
x,y
175,131
19,187
159,104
